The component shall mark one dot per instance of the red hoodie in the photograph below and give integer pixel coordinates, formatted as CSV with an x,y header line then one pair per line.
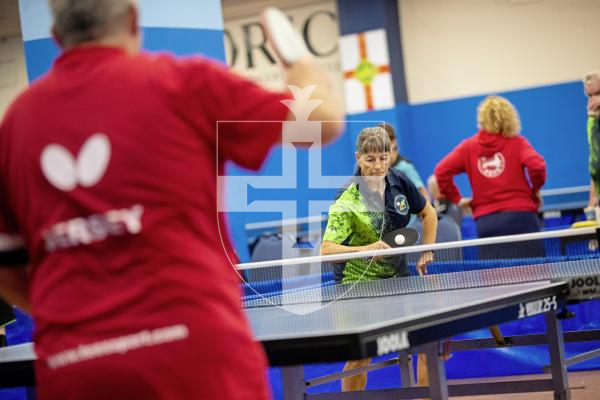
x,y
496,168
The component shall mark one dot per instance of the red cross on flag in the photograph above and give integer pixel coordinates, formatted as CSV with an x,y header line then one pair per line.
x,y
367,78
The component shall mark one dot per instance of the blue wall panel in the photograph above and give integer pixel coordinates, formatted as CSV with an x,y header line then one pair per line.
x,y
553,119
40,55
207,42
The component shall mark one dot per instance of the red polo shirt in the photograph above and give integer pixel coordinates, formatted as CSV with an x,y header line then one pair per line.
x,y
108,169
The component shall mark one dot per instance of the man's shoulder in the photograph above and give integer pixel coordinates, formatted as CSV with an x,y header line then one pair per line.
x,y
191,64
168,58
24,102
189,74
155,63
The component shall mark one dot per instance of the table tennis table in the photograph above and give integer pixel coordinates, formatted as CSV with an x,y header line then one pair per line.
x,y
361,326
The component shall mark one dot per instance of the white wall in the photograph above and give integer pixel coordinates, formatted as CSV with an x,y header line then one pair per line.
x,y
13,76
458,48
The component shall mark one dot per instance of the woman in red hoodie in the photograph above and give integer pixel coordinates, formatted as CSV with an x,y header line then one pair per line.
x,y
506,175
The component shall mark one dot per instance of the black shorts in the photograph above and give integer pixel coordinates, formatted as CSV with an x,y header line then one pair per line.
x,y
6,314
510,223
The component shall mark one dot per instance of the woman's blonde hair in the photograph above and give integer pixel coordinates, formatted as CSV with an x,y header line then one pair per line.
x,y
497,115
373,140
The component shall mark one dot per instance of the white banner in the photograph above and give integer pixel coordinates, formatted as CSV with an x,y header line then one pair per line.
x,y
247,52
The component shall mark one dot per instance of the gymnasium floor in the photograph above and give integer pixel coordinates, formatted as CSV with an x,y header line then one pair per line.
x,y
589,379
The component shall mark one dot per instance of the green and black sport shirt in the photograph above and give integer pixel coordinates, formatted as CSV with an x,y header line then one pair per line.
x,y
356,219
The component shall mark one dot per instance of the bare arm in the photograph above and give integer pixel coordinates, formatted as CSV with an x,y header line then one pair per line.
x,y
425,194
593,202
534,163
452,164
328,247
306,73
14,286
430,221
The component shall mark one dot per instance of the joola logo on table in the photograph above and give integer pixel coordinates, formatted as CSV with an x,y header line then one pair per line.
x,y
585,287
588,281
536,307
392,342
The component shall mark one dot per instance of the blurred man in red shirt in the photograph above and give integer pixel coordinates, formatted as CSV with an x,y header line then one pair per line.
x,y
108,177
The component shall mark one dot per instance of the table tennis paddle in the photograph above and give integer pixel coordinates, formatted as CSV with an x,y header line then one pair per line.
x,y
401,237
286,40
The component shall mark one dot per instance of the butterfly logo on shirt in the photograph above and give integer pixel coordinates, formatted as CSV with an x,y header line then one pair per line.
x,y
65,172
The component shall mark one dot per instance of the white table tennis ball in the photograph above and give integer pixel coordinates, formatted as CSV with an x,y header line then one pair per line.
x,y
399,239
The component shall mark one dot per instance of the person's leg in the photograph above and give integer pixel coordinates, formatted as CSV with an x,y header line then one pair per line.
x,y
7,314
594,159
594,202
422,371
356,382
509,223
498,336
528,222
487,226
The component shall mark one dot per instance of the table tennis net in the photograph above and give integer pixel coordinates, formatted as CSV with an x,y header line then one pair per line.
x,y
457,265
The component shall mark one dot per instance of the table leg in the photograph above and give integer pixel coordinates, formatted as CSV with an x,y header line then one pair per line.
x,y
407,372
293,384
438,386
560,379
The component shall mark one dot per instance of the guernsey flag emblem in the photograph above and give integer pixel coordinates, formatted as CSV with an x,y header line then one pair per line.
x,y
367,78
